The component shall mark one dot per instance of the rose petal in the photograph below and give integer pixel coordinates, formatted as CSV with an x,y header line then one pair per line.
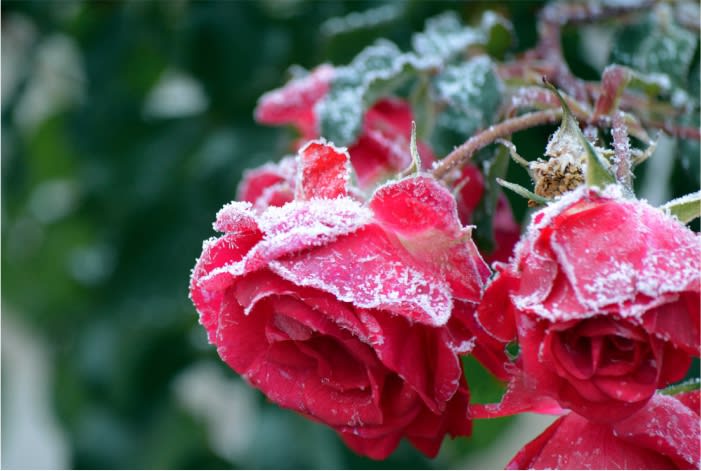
x,y
677,322
576,443
294,102
255,182
666,426
495,312
324,171
423,214
422,357
369,271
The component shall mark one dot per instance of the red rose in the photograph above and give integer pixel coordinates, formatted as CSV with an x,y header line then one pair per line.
x,y
664,434
382,148
603,295
351,314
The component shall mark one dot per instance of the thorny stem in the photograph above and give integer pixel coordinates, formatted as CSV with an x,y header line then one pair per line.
x,y
621,148
462,154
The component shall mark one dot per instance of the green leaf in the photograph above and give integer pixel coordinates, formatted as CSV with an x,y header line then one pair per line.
x,y
686,386
375,72
446,38
521,191
657,45
472,93
499,32
686,209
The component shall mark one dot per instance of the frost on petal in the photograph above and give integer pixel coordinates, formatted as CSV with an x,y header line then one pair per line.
x,y
216,252
423,214
294,102
368,270
237,217
612,250
291,228
255,183
666,426
324,171
572,442
412,206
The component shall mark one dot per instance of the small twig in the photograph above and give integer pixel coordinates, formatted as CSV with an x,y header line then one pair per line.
x,y
462,154
621,148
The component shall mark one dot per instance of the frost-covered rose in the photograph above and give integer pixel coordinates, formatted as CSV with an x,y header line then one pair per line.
x,y
351,314
379,152
603,296
664,434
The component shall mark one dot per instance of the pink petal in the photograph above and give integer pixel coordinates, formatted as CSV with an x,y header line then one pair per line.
x,y
420,355
666,426
294,103
368,270
520,396
324,171
495,312
255,182
677,322
576,443
423,214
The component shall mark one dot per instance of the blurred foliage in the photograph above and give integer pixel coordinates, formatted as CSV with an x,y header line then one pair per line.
x,y
110,184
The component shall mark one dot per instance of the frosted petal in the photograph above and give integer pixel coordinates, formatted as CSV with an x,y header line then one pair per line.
x,y
423,214
237,216
294,102
293,227
667,426
369,271
324,171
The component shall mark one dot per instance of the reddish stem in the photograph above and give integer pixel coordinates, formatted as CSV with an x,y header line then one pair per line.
x,y
462,154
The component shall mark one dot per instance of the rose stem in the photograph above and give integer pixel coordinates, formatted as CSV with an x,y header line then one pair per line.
x,y
460,155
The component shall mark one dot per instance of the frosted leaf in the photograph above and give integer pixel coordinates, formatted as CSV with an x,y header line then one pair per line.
x,y
367,19
375,72
324,171
656,45
444,36
472,92
369,271
685,208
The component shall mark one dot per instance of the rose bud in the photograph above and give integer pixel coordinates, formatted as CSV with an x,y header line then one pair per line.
x,y
353,315
603,298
